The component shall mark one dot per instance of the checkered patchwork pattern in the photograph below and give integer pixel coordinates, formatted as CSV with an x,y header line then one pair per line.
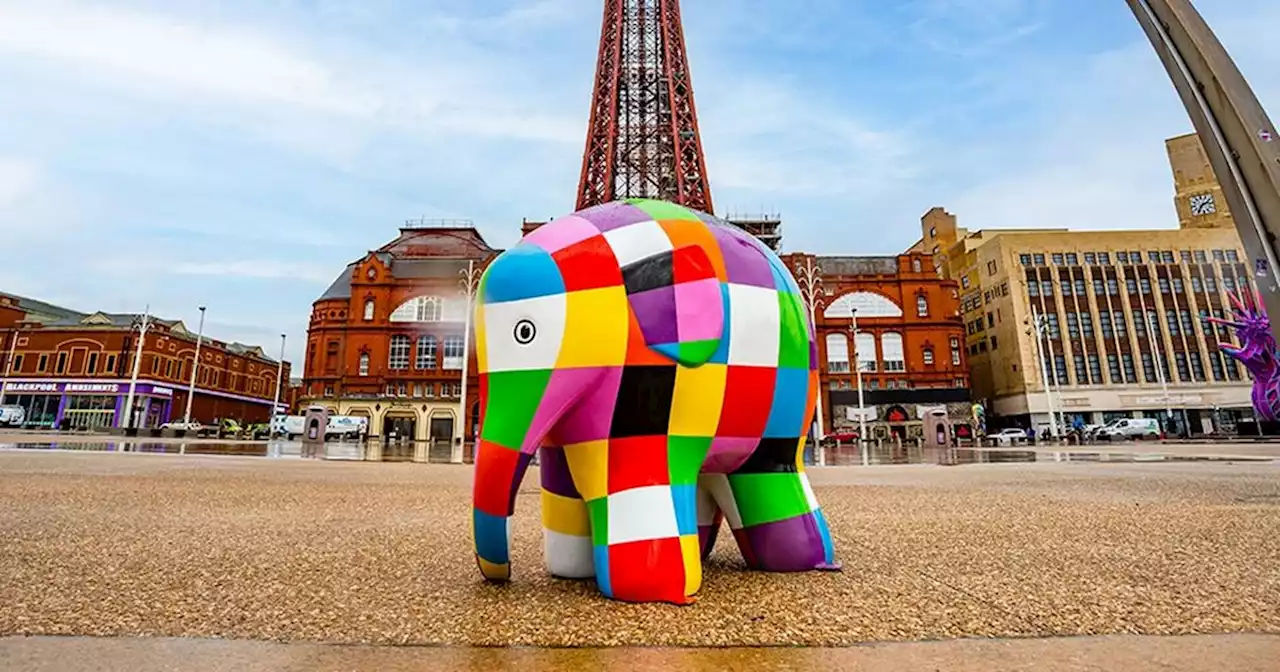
x,y
662,361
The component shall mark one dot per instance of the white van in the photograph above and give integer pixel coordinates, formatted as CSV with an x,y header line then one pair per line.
x,y
1130,428
12,415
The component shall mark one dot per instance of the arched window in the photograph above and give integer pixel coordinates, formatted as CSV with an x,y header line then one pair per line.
x,y
866,351
368,310
364,364
837,353
426,359
894,360
868,304
928,356
419,309
922,305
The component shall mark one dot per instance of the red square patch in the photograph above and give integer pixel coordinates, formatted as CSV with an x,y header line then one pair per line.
x,y
588,264
495,478
748,398
691,263
637,461
647,571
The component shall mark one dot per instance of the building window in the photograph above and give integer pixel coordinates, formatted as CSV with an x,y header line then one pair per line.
x,y
398,354
837,353
453,353
922,306
92,367
955,352
368,310
894,358
1090,258
1163,283
16,365
1024,259
865,352
364,364
42,364
62,363
1037,259
1113,367
915,265
426,359
991,267
928,356
1095,369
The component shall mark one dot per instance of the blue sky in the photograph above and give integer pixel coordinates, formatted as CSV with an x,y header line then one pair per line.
x,y
237,154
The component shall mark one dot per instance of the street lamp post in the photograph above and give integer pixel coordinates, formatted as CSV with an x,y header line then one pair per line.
x,y
1161,362
8,363
137,364
857,365
195,365
1040,328
275,402
809,278
470,282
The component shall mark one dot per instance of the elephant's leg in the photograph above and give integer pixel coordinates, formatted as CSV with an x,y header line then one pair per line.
x,y
709,517
566,530
775,519
644,527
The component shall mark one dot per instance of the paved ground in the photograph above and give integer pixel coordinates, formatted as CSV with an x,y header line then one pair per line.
x,y
253,548
1209,653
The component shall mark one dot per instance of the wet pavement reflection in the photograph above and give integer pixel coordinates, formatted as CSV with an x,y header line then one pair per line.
x,y
842,456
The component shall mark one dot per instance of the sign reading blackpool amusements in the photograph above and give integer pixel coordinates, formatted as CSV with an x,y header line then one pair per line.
x,y
85,388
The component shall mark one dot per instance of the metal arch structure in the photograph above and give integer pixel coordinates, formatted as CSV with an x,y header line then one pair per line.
x,y
643,139
1238,137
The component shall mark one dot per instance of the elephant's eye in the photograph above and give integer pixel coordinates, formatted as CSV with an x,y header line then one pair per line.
x,y
524,332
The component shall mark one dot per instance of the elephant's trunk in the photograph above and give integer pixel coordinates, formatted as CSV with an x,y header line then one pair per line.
x,y
499,472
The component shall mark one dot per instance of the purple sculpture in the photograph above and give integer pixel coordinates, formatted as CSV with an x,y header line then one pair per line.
x,y
1257,352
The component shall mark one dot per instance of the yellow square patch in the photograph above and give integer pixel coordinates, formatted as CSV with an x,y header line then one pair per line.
x,y
565,515
691,549
595,329
482,351
589,465
698,398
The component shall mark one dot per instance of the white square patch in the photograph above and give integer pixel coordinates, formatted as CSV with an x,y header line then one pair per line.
x,y
511,345
706,507
808,491
634,242
568,556
753,326
640,514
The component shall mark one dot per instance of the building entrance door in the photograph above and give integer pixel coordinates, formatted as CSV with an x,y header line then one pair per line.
x,y
441,449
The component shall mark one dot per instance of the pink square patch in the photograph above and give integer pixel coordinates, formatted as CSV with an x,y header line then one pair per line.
x,y
561,233
728,453
699,310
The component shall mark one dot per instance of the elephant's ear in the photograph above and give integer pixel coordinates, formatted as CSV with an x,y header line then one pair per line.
x,y
679,304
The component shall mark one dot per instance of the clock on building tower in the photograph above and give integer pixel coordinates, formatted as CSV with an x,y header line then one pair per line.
x,y
1202,204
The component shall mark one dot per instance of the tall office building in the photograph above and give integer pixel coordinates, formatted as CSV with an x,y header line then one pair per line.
x,y
1124,328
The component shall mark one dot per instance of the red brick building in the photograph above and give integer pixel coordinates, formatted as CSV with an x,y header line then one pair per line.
x,y
387,340
64,365
909,344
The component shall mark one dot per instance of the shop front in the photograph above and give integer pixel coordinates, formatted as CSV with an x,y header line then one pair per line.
x,y
88,404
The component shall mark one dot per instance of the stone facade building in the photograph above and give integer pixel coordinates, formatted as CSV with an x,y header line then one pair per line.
x,y
68,368
387,340
1123,310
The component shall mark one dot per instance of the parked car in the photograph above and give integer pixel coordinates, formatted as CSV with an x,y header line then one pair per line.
x,y
1009,436
1130,428
191,427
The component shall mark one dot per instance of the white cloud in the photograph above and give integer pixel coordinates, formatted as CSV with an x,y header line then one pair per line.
x,y
157,264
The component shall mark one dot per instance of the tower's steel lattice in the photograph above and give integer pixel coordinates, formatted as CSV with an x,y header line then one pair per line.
x,y
643,140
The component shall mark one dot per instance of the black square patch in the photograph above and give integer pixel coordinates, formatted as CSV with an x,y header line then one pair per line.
x,y
644,401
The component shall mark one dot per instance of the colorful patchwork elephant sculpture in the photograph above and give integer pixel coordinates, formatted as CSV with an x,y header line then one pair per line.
x,y
662,362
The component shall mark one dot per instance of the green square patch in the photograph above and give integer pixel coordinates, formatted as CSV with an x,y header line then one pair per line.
x,y
598,512
660,210
685,455
768,497
793,336
513,398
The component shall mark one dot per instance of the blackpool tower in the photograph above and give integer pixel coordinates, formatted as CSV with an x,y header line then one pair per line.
x,y
643,140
